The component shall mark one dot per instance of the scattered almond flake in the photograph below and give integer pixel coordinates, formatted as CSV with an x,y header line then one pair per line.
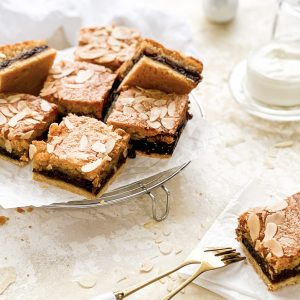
x,y
277,206
87,281
2,55
91,166
107,58
18,117
3,119
154,114
163,280
83,76
178,250
7,145
99,147
146,267
83,143
163,111
110,145
6,112
14,98
12,109
270,231
276,218
128,111
168,123
69,124
160,102
143,116
254,226
8,276
91,54
173,276
166,231
170,286
139,108
154,125
171,109
64,73
165,248
27,135
73,85
50,148
159,239
275,247
284,144
45,105
32,151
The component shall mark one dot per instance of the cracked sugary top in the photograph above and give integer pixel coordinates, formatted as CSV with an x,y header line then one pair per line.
x,y
111,45
275,230
21,115
151,110
78,81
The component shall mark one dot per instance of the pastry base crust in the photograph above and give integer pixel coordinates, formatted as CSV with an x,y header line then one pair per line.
x,y
153,155
74,189
271,286
14,161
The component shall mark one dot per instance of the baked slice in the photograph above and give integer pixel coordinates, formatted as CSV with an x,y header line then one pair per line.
x,y
155,67
23,118
81,155
25,66
109,46
153,119
270,237
79,87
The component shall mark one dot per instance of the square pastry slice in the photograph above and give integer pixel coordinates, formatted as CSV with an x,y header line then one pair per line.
x,y
153,119
81,155
270,237
79,87
25,66
155,67
109,46
23,118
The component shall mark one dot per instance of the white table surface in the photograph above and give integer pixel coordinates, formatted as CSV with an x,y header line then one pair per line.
x,y
50,249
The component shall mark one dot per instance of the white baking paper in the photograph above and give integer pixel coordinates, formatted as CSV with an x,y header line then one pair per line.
x,y
239,281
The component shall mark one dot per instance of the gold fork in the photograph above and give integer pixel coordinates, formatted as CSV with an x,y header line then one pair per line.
x,y
208,259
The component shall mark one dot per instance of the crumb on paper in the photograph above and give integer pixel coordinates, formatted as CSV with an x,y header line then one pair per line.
x,y
146,267
284,144
165,248
7,277
29,209
3,220
20,210
150,224
87,281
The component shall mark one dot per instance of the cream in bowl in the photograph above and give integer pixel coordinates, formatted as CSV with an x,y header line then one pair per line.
x,y
273,74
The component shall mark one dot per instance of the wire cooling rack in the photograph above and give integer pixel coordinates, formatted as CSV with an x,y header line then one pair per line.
x,y
160,205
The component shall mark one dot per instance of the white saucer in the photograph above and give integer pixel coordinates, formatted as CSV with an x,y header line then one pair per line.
x,y
254,107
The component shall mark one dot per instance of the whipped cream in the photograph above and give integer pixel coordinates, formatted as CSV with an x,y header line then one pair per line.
x,y
273,74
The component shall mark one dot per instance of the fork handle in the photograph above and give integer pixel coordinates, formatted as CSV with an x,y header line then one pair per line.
x,y
203,268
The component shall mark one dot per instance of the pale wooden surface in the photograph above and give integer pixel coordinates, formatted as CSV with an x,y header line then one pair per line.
x,y
114,241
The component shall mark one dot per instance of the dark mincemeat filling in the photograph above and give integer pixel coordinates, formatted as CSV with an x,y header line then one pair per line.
x,y
274,278
13,155
80,182
26,54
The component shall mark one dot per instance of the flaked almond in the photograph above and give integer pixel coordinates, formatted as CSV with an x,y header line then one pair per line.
x,y
18,117
48,91
99,147
128,111
154,114
64,73
160,102
2,55
121,33
30,122
8,146
277,206
73,85
22,105
275,247
107,58
168,123
55,70
113,42
276,218
154,125
143,116
91,166
110,145
83,76
50,148
69,124
83,143
139,108
14,98
270,231
91,54
254,226
32,151
163,111
3,101
12,108
3,119
45,105
27,135
127,101
171,109
6,112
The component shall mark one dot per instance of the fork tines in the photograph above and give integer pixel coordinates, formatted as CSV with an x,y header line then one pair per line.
x,y
229,255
